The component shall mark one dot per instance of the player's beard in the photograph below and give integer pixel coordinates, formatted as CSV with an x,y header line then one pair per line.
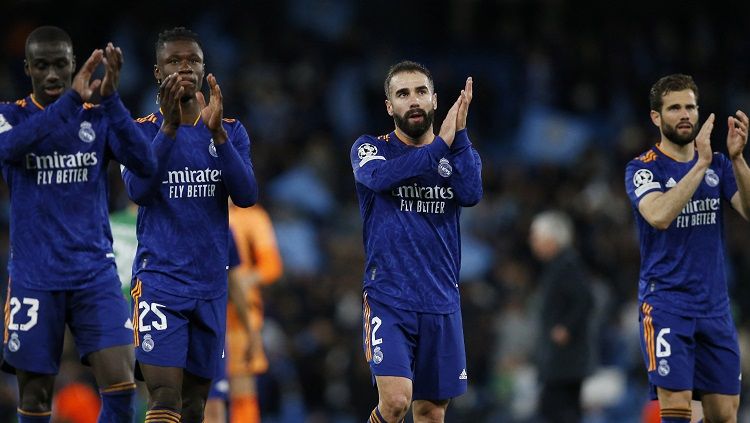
x,y
670,132
414,130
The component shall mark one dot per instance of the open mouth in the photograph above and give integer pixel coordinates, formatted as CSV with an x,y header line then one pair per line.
x,y
685,126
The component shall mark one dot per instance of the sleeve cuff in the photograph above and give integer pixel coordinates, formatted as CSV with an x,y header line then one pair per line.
x,y
461,140
438,147
225,148
115,108
67,104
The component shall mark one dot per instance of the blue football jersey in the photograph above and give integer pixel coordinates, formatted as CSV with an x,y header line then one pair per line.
x,y
682,267
410,199
54,160
183,221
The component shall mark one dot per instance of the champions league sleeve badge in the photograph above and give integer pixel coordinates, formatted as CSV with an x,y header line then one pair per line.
x,y
444,168
212,149
86,132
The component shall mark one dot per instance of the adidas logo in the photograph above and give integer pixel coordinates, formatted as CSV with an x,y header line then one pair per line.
x,y
670,183
463,375
129,324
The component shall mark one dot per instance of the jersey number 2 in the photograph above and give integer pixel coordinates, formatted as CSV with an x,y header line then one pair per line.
x,y
376,322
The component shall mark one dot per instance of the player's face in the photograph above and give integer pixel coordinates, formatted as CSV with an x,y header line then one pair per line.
x,y
678,119
50,67
412,103
185,58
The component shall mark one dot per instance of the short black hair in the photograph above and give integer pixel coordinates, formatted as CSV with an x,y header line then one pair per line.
x,y
48,34
178,33
406,66
668,84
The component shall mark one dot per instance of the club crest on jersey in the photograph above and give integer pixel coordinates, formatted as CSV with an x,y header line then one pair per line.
x,y
444,168
663,367
377,355
212,149
711,178
147,344
14,344
86,132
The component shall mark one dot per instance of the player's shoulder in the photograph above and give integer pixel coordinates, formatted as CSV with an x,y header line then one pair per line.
x,y
149,119
15,106
370,145
372,139
646,159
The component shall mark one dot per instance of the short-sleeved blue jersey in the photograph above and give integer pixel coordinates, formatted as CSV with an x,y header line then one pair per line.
x,y
54,160
410,199
682,267
183,226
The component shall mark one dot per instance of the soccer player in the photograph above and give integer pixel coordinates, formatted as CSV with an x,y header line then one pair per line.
x,y
411,186
180,293
678,190
55,150
260,266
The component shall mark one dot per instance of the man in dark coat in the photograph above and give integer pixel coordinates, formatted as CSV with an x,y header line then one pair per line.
x,y
564,351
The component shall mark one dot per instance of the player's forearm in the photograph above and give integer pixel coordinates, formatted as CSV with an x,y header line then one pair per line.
x,y
22,138
661,209
238,175
467,168
129,144
143,190
382,175
742,176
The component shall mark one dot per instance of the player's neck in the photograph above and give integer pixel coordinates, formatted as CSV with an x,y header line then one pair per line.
x,y
424,139
190,111
680,153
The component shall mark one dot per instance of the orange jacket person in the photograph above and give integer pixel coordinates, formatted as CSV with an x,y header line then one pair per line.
x,y
260,264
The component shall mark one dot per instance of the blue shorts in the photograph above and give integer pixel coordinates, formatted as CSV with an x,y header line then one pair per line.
x,y
97,316
690,354
426,348
172,331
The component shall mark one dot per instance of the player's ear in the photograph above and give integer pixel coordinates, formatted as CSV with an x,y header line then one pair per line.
x,y
434,101
389,107
656,118
73,63
157,73
26,68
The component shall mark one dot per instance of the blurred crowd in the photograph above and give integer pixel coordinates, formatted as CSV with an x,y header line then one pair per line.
x,y
560,106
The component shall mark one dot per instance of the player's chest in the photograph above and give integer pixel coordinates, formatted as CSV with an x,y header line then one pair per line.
x,y
194,149
85,134
710,185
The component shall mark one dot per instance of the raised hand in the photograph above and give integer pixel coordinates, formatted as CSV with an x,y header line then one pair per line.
x,y
82,83
213,113
112,64
170,93
448,128
463,110
703,141
737,135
